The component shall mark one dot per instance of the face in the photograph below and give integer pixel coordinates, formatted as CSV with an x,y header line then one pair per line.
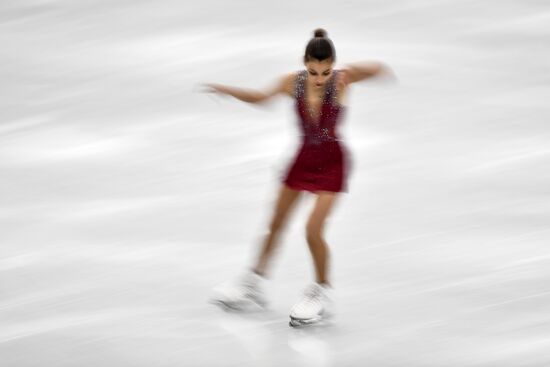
x,y
318,72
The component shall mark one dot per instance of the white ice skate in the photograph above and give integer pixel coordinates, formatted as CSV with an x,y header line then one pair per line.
x,y
243,295
315,306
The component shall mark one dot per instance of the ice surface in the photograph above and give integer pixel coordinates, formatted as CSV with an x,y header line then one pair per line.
x,y
126,195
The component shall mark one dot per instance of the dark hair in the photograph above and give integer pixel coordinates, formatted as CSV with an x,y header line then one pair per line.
x,y
320,47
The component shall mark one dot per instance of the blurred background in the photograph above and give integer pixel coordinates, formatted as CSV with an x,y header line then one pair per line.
x,y
126,194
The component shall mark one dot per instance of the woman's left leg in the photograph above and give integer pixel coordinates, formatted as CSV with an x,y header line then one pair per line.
x,y
314,233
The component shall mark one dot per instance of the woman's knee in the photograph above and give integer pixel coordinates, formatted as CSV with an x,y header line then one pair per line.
x,y
314,231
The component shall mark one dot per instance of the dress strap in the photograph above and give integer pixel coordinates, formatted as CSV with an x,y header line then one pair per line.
x,y
299,83
331,88
332,83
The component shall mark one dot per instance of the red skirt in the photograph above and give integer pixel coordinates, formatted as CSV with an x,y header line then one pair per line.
x,y
319,165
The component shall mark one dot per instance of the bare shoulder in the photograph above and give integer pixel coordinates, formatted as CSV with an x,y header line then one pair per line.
x,y
341,83
287,83
342,79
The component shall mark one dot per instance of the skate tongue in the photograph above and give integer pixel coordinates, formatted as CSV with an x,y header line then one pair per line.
x,y
251,279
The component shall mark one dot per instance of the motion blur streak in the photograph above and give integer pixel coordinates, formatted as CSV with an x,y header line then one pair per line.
x,y
126,195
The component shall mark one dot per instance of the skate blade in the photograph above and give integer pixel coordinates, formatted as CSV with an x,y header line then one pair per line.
x,y
304,322
237,307
226,306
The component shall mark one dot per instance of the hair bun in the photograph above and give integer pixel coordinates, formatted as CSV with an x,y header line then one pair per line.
x,y
319,32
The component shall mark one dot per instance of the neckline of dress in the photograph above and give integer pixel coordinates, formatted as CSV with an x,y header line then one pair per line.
x,y
325,93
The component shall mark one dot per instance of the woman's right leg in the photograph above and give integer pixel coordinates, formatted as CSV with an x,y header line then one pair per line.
x,y
284,204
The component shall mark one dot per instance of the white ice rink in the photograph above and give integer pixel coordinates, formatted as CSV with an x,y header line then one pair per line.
x,y
126,195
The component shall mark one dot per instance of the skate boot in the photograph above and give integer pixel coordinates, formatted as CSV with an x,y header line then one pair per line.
x,y
315,306
243,295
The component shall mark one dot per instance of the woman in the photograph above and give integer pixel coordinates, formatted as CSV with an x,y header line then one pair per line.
x,y
321,167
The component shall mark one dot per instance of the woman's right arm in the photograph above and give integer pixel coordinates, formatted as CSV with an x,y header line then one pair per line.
x,y
283,86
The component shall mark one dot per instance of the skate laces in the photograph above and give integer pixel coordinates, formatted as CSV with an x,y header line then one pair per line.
x,y
313,294
250,283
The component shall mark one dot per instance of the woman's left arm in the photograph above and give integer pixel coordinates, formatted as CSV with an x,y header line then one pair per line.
x,y
357,72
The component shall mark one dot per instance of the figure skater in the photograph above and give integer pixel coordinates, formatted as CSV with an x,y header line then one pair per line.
x,y
321,166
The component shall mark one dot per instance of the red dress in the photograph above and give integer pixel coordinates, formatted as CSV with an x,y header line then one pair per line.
x,y
322,162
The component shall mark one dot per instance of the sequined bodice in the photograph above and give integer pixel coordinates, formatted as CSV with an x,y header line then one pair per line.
x,y
322,128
